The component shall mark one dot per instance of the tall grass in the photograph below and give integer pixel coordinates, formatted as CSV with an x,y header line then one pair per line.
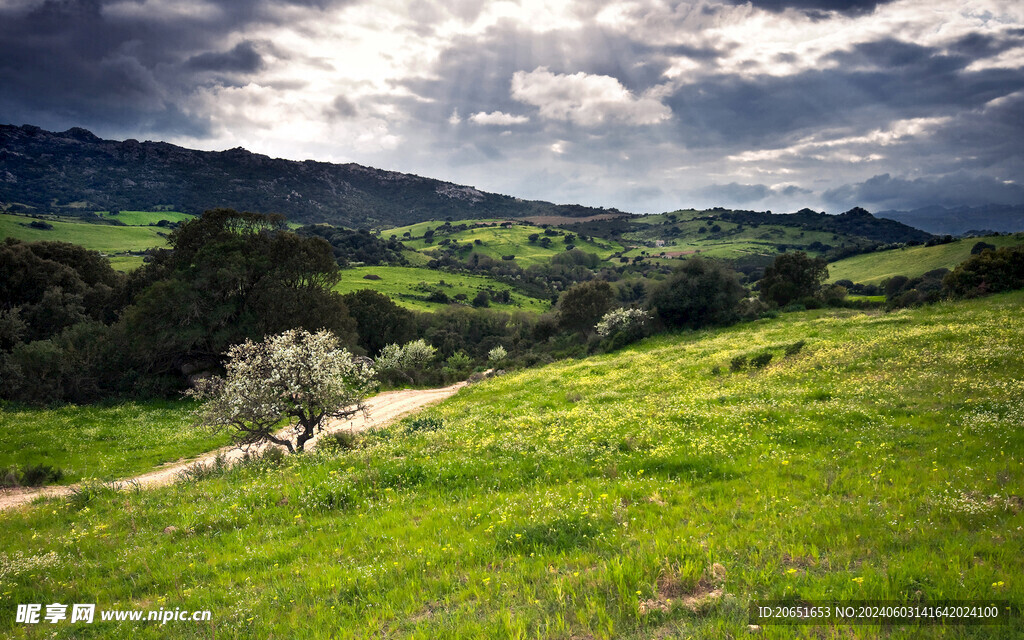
x,y
631,495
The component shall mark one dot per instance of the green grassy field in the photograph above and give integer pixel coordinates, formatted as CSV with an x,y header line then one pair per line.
x,y
144,218
501,241
105,442
417,230
873,268
731,241
641,494
401,284
99,237
126,263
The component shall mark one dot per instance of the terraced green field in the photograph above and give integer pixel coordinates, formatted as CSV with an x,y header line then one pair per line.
x,y
104,238
873,268
649,493
406,286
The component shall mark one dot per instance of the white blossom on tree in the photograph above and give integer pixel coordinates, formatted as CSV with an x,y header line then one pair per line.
x,y
296,376
628,321
405,360
497,354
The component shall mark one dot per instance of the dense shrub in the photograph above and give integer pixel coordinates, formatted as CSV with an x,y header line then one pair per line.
x,y
30,475
738,363
697,294
987,272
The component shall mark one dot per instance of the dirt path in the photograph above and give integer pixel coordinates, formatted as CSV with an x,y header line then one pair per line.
x,y
382,409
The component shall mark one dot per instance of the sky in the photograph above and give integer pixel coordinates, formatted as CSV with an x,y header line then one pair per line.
x,y
645,106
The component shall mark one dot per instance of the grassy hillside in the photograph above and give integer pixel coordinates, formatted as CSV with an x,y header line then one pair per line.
x,y
410,286
143,218
684,237
99,237
873,268
497,242
105,442
642,494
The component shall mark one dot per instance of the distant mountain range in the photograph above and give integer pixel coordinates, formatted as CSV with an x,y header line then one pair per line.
x,y
74,171
961,220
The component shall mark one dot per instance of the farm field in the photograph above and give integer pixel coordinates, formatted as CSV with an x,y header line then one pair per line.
x,y
402,284
99,237
104,442
648,493
873,268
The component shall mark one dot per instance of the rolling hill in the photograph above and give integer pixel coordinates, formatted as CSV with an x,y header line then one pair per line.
x,y
639,494
874,268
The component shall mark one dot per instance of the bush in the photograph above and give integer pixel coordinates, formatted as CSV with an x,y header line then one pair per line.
x,y
424,424
407,361
761,360
987,272
623,326
739,363
338,441
497,355
31,475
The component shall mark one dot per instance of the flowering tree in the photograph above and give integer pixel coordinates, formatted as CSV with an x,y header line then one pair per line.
x,y
296,376
631,322
405,360
497,355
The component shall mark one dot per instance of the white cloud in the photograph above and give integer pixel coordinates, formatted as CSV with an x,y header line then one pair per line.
x,y
585,99
822,147
497,118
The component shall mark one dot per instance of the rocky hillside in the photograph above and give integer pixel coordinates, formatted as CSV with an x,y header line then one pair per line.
x,y
43,171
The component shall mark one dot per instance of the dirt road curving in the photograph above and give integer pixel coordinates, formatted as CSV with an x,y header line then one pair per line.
x,y
382,409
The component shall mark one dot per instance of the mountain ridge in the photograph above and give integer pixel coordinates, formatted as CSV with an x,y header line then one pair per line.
x,y
64,172
1003,218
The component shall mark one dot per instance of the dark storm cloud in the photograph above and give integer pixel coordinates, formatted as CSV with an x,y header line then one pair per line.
x,y
90,63
958,189
734,192
817,7
875,83
242,58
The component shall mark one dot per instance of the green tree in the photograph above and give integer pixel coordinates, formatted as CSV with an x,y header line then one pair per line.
x,y
583,304
697,294
230,277
987,272
793,276
379,321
